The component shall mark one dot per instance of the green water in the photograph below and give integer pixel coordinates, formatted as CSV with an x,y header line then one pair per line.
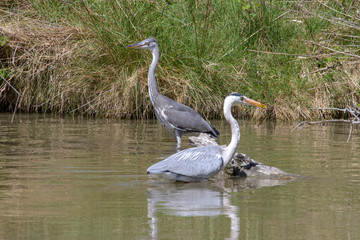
x,y
70,178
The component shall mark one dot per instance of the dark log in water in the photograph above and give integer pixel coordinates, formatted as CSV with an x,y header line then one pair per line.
x,y
242,165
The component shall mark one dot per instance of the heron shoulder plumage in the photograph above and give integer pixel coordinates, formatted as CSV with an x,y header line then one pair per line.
x,y
186,119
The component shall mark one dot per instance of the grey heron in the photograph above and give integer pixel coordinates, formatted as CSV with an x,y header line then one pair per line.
x,y
177,118
198,163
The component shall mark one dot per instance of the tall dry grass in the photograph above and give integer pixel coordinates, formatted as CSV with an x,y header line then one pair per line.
x,y
69,56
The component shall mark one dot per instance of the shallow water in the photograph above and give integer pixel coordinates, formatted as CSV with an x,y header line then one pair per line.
x,y
70,178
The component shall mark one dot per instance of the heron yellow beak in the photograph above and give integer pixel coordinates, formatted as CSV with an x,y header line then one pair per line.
x,y
135,45
255,103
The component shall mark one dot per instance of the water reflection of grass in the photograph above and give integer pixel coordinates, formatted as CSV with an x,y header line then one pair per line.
x,y
293,56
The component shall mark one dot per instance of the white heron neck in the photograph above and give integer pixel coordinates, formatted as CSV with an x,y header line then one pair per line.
x,y
235,134
152,85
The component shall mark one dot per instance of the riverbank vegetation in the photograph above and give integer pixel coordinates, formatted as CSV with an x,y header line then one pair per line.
x,y
66,57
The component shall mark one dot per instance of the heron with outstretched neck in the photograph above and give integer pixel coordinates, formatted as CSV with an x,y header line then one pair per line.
x,y
195,164
177,118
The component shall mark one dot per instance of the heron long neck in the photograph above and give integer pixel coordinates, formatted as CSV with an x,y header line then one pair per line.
x,y
235,134
152,85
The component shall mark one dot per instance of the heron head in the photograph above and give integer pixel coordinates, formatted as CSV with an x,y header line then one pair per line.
x,y
149,43
239,99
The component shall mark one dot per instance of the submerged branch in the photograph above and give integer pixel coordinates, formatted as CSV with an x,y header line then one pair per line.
x,y
354,111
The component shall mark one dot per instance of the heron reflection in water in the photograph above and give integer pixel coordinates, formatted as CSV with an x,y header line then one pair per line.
x,y
177,118
194,200
199,163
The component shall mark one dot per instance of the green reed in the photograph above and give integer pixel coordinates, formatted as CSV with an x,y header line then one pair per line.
x,y
291,55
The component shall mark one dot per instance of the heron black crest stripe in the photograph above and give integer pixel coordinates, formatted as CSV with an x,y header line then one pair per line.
x,y
236,94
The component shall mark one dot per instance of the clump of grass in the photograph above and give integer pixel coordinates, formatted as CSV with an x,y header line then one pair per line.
x,y
69,56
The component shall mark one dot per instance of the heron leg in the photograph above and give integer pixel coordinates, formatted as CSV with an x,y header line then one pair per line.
x,y
178,138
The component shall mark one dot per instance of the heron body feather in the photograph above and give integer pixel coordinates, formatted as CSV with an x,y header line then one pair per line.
x,y
199,162
176,116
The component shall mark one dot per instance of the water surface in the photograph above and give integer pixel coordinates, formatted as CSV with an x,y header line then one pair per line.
x,y
71,178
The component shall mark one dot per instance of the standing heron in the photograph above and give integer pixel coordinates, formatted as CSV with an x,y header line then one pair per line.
x,y
177,118
194,164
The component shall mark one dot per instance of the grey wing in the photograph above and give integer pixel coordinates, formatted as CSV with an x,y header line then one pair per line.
x,y
201,162
186,118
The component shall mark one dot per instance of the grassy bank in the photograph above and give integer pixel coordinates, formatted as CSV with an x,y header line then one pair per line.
x,y
69,56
